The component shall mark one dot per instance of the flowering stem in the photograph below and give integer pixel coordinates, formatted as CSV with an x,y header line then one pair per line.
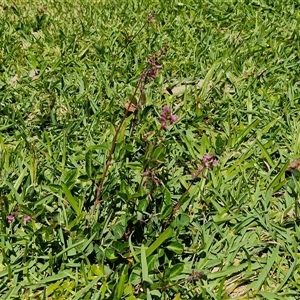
x,y
111,151
165,118
146,76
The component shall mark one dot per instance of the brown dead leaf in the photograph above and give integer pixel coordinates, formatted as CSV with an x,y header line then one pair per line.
x,y
179,90
237,291
229,89
200,84
130,107
33,74
13,81
294,165
36,34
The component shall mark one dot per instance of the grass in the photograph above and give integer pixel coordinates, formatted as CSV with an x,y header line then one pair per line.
x,y
155,230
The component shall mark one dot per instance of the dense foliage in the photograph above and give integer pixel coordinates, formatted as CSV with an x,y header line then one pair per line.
x,y
143,149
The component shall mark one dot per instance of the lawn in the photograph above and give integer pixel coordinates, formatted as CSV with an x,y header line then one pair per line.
x,y
146,149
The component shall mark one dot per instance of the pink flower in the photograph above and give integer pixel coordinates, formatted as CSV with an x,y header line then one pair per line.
x,y
151,60
208,161
174,118
215,163
151,70
166,110
207,157
27,219
10,219
166,117
200,168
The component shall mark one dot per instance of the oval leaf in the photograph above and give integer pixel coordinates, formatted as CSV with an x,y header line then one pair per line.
x,y
175,247
176,270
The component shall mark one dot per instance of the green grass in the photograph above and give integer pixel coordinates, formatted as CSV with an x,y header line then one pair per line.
x,y
67,68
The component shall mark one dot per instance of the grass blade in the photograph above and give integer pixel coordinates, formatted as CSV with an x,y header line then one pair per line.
x,y
164,236
72,201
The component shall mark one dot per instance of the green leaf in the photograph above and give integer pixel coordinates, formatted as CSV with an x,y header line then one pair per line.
x,y
118,230
220,143
175,247
133,252
156,293
166,211
265,153
123,128
176,270
110,254
58,255
26,210
277,178
80,294
121,283
243,135
59,276
288,275
52,287
256,285
208,78
72,201
144,263
159,153
270,296
163,237
177,297
20,179
142,206
88,164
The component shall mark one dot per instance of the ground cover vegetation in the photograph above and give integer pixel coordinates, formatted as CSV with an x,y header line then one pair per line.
x,y
144,149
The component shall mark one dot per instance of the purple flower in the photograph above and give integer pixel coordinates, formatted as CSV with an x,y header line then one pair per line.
x,y
209,160
151,60
174,118
166,110
151,71
200,168
207,157
166,117
10,218
27,219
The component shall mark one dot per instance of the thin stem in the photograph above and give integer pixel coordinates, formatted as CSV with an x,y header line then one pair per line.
x,y
111,151
131,39
147,75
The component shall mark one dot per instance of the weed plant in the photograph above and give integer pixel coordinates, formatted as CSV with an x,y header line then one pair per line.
x,y
144,148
